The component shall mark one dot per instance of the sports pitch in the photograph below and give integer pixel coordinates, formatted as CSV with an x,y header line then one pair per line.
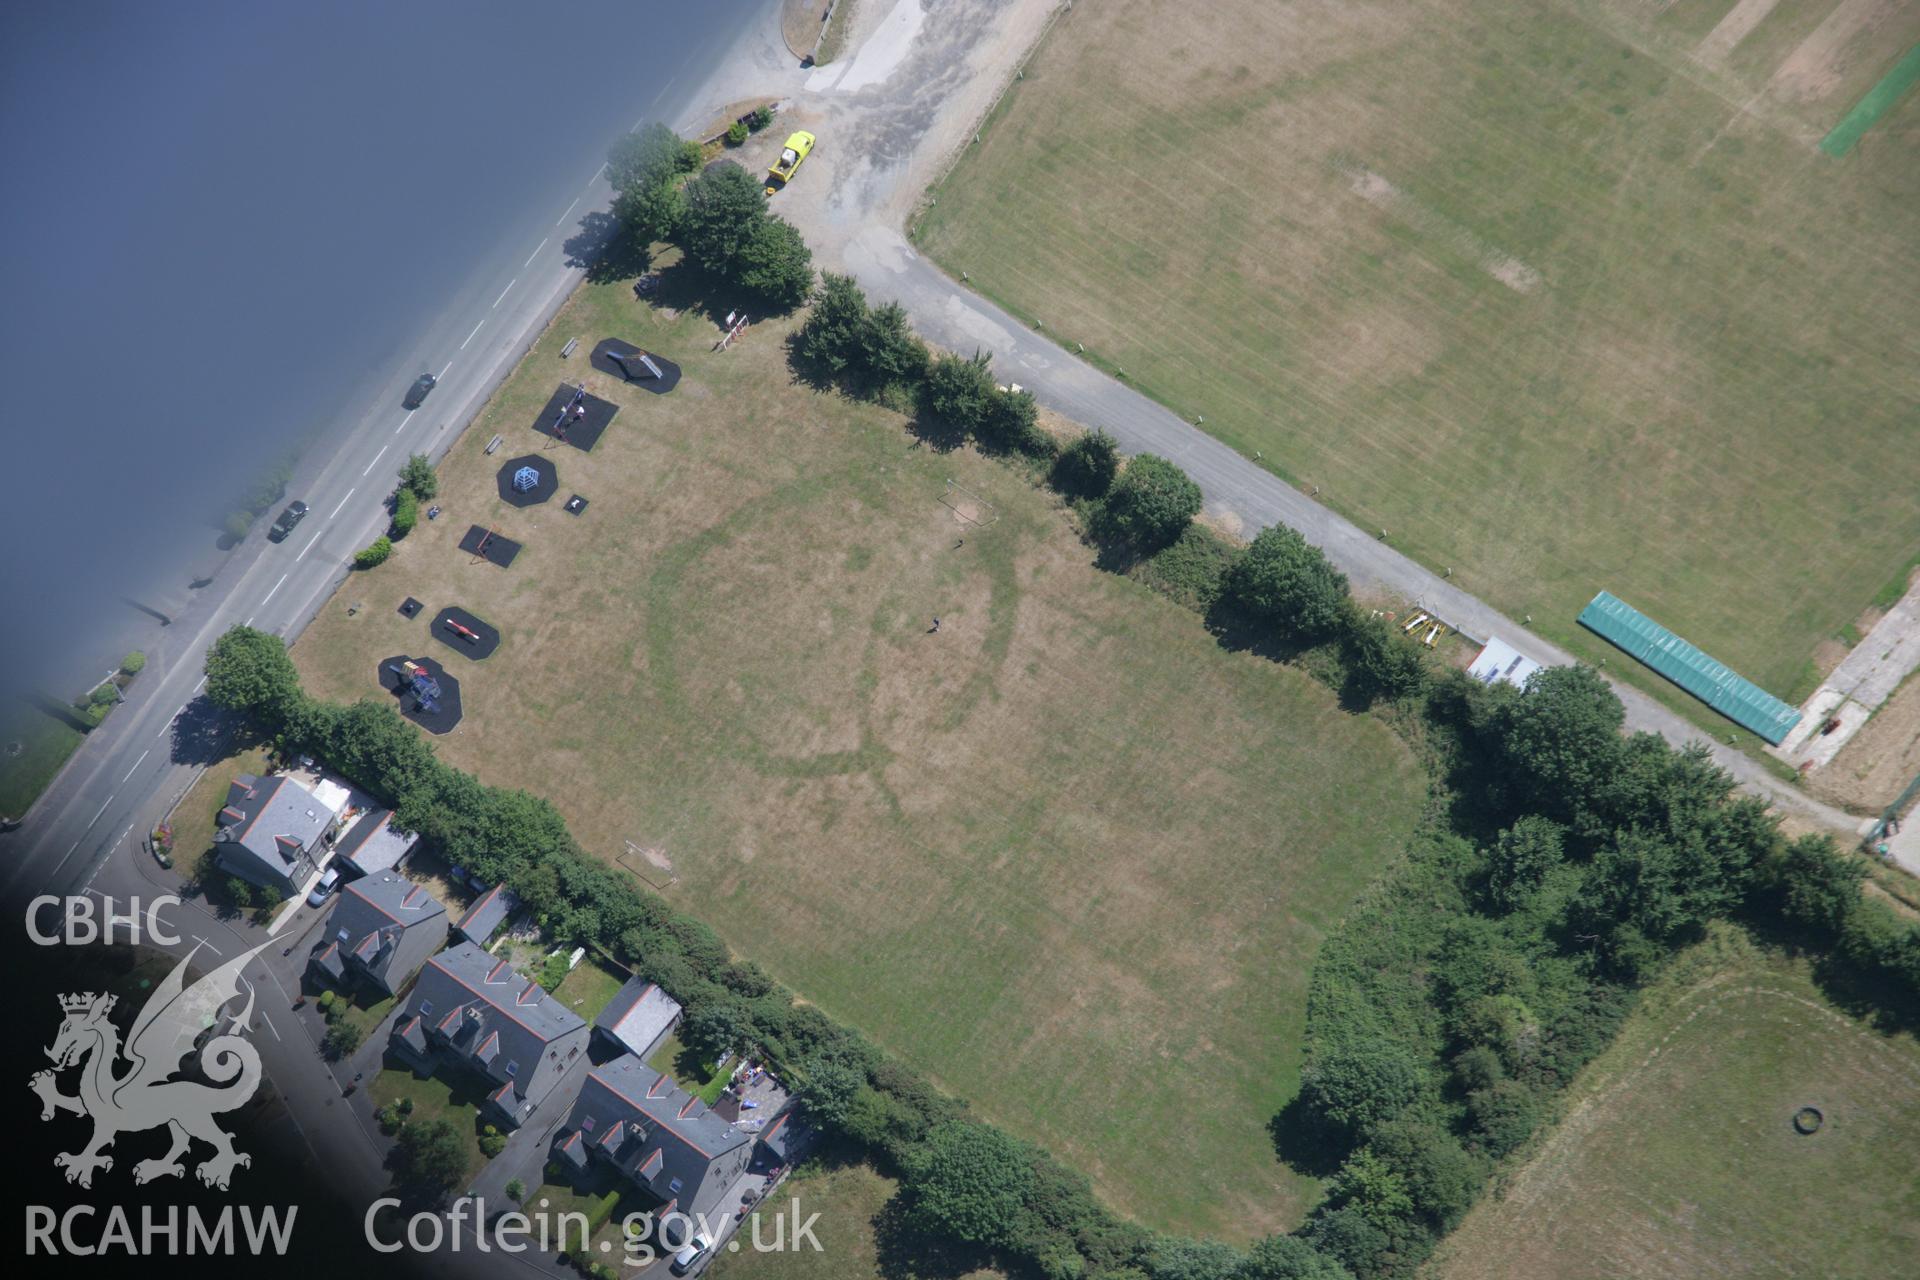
x,y
1067,856
1678,1156
1566,297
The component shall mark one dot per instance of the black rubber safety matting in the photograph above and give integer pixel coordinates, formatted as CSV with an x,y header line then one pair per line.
x,y
546,480
465,634
575,505
574,417
622,360
436,712
485,542
409,607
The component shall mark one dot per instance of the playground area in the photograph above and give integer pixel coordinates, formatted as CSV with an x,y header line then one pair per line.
x,y
424,692
1685,1151
967,842
1567,297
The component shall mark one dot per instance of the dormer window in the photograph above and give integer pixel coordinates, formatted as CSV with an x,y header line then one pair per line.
x,y
674,1186
513,1068
586,1125
426,1008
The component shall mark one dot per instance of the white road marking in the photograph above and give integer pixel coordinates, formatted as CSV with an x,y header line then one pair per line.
x,y
536,253
597,172
504,292
197,687
476,328
269,1021
563,217
310,541
443,372
203,942
167,728
69,852
103,809
137,763
343,502
375,462
404,421
287,574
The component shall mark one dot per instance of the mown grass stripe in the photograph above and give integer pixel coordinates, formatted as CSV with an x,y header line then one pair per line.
x,y
1878,102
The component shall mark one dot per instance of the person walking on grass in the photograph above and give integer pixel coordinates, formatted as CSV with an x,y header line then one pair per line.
x,y
935,628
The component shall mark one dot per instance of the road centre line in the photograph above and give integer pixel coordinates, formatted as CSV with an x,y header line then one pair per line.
x,y
96,817
404,421
137,763
503,293
570,208
443,372
375,462
536,252
310,541
343,502
281,583
474,334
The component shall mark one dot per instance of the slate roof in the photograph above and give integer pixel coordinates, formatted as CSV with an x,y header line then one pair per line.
x,y
373,912
638,1015
276,819
650,1128
488,912
373,843
470,998
782,1136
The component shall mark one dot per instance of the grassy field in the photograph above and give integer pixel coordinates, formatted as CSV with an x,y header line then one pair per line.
x,y
1067,856
45,744
194,818
588,989
1559,296
1678,1157
444,1095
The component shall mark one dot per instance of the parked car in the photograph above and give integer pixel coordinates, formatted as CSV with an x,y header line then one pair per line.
x,y
296,512
324,889
798,148
417,393
690,1254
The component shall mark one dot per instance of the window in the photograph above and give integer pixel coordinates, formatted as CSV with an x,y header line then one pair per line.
x,y
586,1125
513,1067
674,1186
426,1008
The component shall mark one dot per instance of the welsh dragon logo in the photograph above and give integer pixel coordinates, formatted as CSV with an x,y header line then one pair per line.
x,y
147,1095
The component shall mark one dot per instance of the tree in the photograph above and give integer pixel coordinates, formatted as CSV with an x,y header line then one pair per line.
x,y
1362,1081
1383,661
1347,1235
723,213
1287,581
516,1190
374,554
1011,422
1290,1258
249,672
1367,1182
1819,886
831,338
1177,1258
1560,741
418,476
492,1142
431,1157
406,513
970,1182
342,1038
1151,504
238,892
645,168
1441,1177
890,352
1086,468
776,264
827,1089
720,1025
1521,858
133,664
959,392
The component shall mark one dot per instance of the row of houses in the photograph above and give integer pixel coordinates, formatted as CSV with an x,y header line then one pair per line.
x,y
279,833
469,1011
